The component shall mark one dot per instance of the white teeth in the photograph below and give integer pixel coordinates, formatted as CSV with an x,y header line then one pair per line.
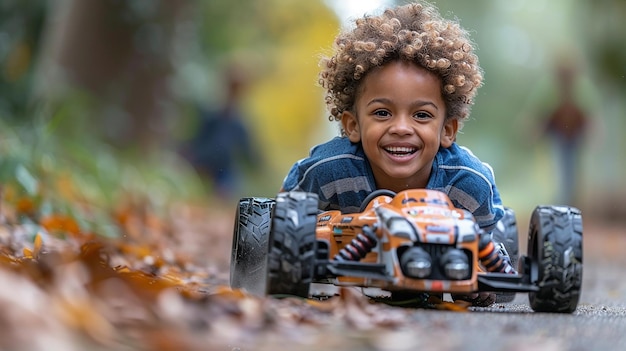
x,y
400,149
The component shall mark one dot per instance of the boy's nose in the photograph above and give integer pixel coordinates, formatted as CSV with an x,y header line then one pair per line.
x,y
401,125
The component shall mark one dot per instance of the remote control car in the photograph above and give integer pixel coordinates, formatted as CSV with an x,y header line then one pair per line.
x,y
412,242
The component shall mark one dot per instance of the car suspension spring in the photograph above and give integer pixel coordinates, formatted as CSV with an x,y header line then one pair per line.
x,y
359,246
491,258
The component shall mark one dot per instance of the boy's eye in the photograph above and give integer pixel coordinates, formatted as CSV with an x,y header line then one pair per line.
x,y
382,113
423,115
418,116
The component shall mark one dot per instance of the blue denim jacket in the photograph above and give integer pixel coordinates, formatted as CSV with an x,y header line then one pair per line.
x,y
340,174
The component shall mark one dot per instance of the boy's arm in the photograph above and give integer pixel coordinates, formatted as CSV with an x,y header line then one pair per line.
x,y
476,192
470,184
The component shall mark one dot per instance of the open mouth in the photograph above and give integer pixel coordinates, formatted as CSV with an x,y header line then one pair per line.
x,y
401,151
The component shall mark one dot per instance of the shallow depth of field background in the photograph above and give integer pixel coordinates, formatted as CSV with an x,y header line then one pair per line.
x,y
97,82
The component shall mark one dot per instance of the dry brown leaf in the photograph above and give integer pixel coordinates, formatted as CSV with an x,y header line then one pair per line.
x,y
60,224
457,305
25,206
28,253
37,245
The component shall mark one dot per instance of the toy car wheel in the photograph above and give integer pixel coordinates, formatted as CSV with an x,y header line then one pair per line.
x,y
506,234
555,244
292,244
248,259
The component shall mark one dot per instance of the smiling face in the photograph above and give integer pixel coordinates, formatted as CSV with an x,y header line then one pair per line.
x,y
399,117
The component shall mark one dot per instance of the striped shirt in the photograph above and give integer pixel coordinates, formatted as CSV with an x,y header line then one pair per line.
x,y
340,174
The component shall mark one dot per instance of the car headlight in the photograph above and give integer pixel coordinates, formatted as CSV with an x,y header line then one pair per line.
x,y
416,262
455,264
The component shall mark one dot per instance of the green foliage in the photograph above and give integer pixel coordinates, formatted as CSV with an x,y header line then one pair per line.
x,y
43,173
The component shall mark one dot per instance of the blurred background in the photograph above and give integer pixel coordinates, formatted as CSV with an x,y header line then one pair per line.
x,y
120,95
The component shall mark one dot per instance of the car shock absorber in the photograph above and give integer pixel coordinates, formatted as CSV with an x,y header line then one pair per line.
x,y
490,257
360,246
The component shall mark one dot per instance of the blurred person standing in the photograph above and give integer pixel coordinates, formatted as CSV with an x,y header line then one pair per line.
x,y
222,142
566,126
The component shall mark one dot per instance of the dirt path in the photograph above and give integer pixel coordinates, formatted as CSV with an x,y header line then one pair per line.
x,y
351,323
167,289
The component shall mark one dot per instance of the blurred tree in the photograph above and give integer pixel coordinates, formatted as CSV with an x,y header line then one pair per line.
x,y
126,71
604,38
20,35
119,53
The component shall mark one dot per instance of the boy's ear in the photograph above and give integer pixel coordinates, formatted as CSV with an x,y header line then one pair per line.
x,y
448,132
350,125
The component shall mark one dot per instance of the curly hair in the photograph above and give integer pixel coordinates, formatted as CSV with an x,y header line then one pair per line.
x,y
415,32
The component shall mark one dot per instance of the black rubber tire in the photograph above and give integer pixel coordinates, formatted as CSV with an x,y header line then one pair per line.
x,y
506,233
292,244
555,243
248,258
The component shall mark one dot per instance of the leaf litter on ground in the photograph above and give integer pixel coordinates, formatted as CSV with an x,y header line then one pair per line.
x,y
161,283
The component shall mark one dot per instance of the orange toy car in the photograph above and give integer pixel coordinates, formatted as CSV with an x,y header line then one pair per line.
x,y
412,242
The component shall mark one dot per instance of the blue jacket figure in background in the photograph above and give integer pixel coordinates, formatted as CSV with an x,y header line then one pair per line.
x,y
223,140
566,125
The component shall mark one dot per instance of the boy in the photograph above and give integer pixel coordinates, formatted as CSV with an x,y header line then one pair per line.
x,y
400,84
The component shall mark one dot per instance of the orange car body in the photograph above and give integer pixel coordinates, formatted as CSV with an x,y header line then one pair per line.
x,y
435,223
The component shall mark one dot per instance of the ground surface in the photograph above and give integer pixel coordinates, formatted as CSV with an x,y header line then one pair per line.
x,y
164,285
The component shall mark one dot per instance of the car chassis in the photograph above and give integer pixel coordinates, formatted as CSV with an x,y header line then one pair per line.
x,y
407,243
